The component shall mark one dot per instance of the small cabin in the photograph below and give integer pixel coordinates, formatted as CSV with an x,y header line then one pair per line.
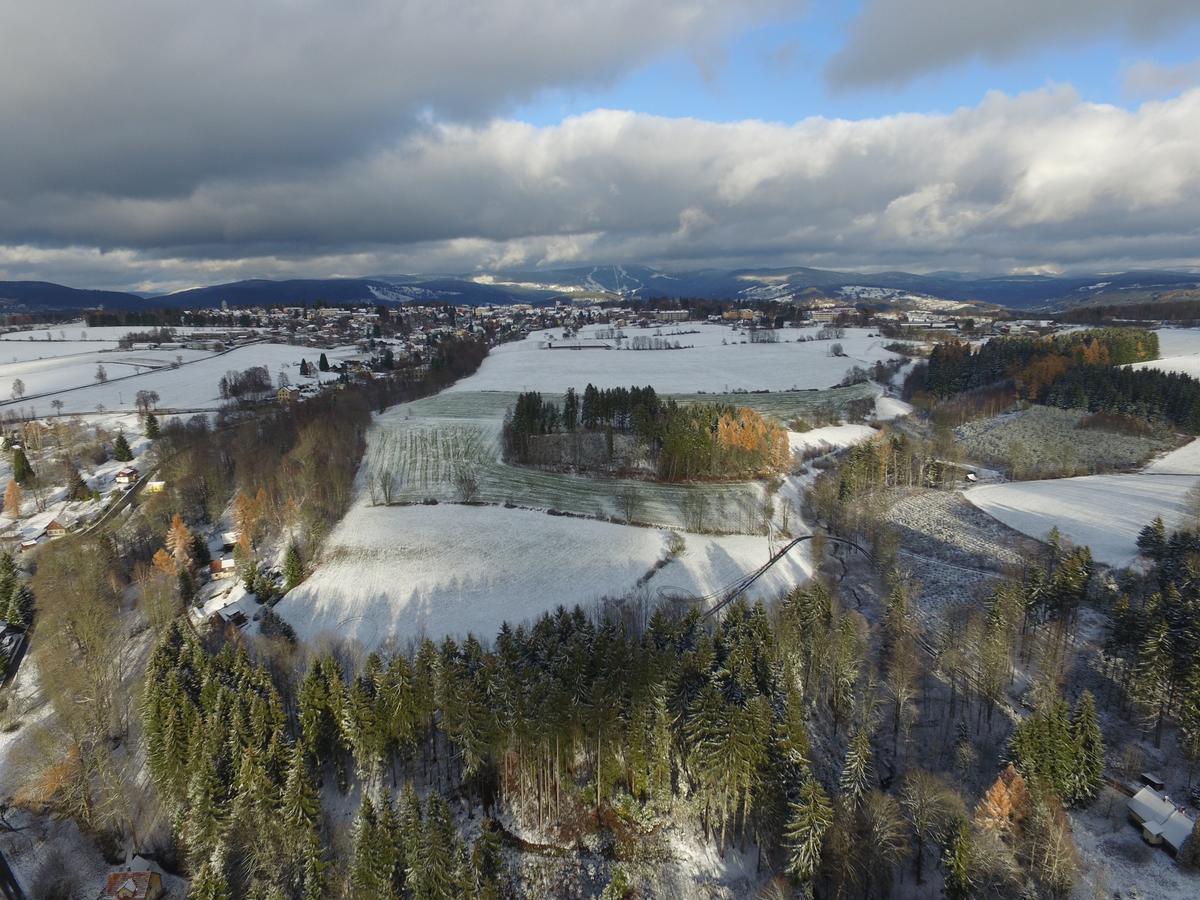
x,y
129,885
1163,824
56,529
127,476
230,615
222,568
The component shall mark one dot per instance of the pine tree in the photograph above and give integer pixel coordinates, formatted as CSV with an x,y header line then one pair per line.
x,y
487,859
856,771
121,451
77,488
20,604
958,864
809,818
205,824
300,803
1189,853
323,363
293,567
255,795
369,875
431,873
153,432
22,471
313,868
13,499
1086,775
212,877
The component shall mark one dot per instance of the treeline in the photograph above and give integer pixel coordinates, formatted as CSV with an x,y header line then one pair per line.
x,y
1171,397
302,456
1154,637
685,442
1183,311
1077,370
955,367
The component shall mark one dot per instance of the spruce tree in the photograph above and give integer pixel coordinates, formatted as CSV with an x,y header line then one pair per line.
x,y
809,818
856,771
293,567
431,873
212,877
323,363
121,451
369,875
487,859
153,432
1087,770
77,488
205,823
1189,853
22,471
313,870
300,802
958,863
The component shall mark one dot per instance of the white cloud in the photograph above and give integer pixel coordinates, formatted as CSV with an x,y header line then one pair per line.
x,y
894,41
149,98
1040,179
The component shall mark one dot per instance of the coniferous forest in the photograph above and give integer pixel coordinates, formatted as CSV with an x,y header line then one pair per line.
x,y
1076,370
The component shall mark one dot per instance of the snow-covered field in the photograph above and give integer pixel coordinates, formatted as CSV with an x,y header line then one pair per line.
x,y
1178,350
1105,512
402,572
60,373
718,361
830,437
395,573
192,385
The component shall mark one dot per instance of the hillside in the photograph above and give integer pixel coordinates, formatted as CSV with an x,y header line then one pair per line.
x,y
1034,292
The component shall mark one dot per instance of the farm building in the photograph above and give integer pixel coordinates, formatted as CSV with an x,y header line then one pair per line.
x,y
1161,821
56,529
127,476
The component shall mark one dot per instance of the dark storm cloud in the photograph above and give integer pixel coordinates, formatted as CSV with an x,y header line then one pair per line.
x,y
893,41
159,149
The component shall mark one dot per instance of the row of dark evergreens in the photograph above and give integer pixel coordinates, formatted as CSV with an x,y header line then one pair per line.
x,y
1075,370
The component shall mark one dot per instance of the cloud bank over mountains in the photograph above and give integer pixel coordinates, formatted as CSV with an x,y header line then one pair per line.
x,y
163,148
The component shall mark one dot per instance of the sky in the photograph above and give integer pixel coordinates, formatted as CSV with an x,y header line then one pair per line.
x,y
155,146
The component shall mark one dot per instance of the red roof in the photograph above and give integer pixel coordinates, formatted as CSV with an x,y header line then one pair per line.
x,y
130,885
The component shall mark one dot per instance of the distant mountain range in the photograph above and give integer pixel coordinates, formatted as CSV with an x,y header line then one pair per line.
x,y
1031,292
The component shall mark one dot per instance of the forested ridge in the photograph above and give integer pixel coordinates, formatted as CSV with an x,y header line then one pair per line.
x,y
581,725
1085,369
